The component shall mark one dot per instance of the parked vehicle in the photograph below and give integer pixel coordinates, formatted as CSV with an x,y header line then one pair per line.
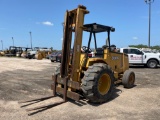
x,y
31,53
14,51
56,56
25,52
38,53
139,57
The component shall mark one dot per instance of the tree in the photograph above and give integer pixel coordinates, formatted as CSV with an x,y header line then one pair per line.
x,y
157,47
139,46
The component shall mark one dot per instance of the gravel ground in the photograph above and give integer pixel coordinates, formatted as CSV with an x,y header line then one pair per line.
x,y
22,79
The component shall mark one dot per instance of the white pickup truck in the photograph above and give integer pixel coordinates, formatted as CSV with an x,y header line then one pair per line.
x,y
138,57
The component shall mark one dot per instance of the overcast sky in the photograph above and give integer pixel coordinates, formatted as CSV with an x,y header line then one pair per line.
x,y
44,19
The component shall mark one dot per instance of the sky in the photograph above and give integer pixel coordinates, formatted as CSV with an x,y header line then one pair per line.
x,y
44,18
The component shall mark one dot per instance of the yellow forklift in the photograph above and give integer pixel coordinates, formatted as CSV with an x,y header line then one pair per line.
x,y
80,76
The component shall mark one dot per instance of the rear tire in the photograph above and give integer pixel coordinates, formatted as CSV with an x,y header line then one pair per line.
x,y
128,79
152,64
98,83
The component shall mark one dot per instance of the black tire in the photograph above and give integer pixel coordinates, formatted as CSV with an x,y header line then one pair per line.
x,y
29,57
52,60
33,56
152,64
58,59
92,86
128,79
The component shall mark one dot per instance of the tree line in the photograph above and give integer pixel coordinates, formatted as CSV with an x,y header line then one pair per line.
x,y
157,47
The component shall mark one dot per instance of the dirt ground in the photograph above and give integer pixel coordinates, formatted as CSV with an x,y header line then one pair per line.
x,y
22,79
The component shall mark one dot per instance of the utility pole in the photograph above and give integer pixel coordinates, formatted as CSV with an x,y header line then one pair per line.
x,y
2,44
149,2
13,41
30,38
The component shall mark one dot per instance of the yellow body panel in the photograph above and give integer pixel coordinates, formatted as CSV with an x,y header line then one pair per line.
x,y
117,61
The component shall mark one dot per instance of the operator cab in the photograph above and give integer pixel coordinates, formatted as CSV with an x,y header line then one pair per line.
x,y
97,28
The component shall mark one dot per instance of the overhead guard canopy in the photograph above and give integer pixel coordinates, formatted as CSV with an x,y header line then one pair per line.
x,y
94,27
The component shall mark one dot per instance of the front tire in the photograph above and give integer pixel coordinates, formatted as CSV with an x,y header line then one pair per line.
x,y
98,83
52,60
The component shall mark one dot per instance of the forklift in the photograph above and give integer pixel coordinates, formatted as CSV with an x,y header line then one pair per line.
x,y
80,76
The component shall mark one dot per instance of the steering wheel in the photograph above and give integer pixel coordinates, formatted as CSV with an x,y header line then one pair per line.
x,y
84,48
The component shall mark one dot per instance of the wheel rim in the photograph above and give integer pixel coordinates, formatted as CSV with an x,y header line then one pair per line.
x,y
104,84
131,79
152,64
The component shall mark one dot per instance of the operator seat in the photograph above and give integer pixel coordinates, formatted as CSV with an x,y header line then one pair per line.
x,y
99,52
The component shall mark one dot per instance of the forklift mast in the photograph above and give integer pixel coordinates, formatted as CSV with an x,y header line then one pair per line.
x,y
74,20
